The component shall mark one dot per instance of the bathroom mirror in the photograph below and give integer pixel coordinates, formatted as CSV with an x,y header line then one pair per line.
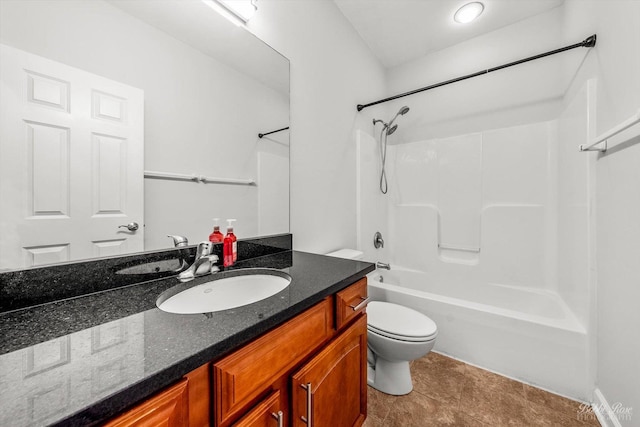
x,y
118,113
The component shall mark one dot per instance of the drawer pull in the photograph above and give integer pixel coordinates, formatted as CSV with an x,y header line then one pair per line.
x,y
364,302
307,420
280,417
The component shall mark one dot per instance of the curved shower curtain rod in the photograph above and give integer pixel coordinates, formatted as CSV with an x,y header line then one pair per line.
x,y
588,42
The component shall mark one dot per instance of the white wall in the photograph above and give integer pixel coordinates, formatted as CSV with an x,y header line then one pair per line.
x,y
201,116
473,208
526,93
332,71
616,67
597,195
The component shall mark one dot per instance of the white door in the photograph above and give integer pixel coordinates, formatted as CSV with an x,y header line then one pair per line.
x,y
71,163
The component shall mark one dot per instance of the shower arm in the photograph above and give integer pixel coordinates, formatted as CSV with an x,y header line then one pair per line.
x,y
588,42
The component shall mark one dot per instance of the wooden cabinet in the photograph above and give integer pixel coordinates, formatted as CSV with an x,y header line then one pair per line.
x,y
243,376
331,389
199,391
268,413
350,302
168,408
312,366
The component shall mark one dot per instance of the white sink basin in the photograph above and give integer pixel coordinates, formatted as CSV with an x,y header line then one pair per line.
x,y
228,290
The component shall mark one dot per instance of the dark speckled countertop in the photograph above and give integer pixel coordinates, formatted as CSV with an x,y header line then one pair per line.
x,y
84,359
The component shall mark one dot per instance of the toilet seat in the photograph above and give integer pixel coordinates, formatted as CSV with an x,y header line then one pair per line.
x,y
400,323
402,337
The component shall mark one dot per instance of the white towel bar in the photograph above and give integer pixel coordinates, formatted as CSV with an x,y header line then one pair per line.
x,y
197,178
612,132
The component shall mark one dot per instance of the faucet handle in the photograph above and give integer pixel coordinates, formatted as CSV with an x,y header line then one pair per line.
x,y
378,241
204,249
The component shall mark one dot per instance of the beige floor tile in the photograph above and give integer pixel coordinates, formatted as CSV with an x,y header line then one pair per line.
x,y
417,410
379,404
558,403
448,392
485,379
443,362
439,377
494,407
373,421
544,416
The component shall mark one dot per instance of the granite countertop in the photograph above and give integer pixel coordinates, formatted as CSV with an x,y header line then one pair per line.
x,y
83,360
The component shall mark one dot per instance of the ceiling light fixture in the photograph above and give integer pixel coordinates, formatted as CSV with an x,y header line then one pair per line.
x,y
468,12
237,11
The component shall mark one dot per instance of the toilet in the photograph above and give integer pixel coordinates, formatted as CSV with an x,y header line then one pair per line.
x,y
396,335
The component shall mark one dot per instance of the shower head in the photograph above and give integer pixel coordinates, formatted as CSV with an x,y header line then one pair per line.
x,y
391,128
404,110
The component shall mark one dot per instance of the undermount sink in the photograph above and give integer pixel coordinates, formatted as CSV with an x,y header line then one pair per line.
x,y
229,289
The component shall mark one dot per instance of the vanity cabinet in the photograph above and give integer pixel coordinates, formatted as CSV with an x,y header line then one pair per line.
x,y
243,377
309,371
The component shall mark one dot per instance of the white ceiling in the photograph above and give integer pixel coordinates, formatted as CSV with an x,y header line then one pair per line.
x,y
398,31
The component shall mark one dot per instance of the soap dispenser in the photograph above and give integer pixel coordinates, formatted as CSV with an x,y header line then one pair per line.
x,y
230,246
216,236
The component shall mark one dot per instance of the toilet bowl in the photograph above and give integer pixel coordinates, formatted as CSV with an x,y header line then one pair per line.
x,y
396,335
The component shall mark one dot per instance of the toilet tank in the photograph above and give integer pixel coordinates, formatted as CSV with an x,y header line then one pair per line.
x,y
347,253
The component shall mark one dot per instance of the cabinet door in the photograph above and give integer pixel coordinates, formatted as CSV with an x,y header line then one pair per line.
x,y
267,413
243,376
331,389
168,408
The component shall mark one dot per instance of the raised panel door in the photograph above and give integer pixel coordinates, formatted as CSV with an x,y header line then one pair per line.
x,y
169,408
71,162
331,389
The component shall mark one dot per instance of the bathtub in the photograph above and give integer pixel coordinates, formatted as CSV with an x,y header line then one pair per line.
x,y
523,333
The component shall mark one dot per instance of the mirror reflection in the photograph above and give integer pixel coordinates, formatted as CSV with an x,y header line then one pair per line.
x,y
127,121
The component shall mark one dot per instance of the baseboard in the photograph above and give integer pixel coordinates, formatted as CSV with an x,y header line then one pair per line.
x,y
603,410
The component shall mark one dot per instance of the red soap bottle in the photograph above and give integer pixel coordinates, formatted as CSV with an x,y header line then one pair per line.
x,y
216,236
230,246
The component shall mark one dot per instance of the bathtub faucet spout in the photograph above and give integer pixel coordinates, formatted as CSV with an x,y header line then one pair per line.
x,y
383,265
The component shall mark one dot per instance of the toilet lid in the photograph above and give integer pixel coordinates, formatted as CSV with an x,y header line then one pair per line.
x,y
396,321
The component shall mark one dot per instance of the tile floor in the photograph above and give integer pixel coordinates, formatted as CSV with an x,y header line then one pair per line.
x,y
447,392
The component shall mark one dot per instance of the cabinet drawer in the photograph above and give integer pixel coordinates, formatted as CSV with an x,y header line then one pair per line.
x,y
350,302
267,413
247,373
168,408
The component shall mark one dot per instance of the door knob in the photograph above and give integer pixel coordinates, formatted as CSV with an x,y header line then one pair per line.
x,y
132,226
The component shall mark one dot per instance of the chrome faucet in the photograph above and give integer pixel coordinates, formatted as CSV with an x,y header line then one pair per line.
x,y
205,263
383,265
179,241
